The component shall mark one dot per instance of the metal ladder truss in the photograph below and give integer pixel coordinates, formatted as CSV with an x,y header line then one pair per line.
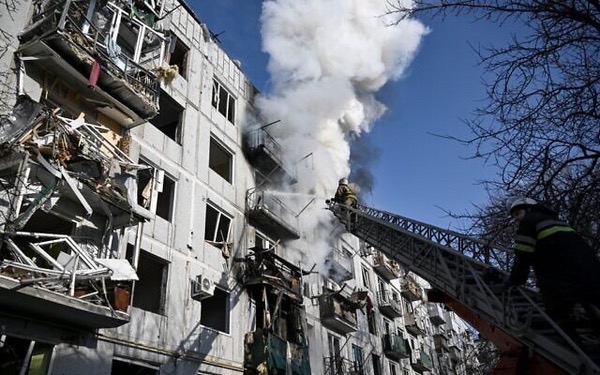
x,y
453,263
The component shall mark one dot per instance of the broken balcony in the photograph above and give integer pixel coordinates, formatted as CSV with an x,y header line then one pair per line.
x,y
396,347
437,314
389,306
264,348
410,289
67,194
268,213
338,312
387,268
109,54
267,156
422,362
339,264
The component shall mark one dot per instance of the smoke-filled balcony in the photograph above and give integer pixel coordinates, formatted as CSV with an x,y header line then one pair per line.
x,y
268,213
67,192
266,155
389,306
437,314
109,54
339,263
410,289
263,348
422,362
338,311
387,268
396,347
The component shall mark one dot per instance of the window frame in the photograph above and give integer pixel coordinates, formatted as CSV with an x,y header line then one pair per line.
x,y
227,309
214,141
220,214
220,92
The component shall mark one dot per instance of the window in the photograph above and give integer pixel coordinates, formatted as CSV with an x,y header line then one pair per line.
x,y
215,311
220,160
169,118
393,369
150,289
372,322
217,225
223,101
357,363
178,55
365,277
376,364
156,191
20,356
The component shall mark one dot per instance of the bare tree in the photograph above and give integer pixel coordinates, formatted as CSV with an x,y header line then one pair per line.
x,y
541,124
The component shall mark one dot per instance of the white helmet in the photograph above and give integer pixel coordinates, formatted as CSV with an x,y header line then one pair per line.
x,y
521,203
344,181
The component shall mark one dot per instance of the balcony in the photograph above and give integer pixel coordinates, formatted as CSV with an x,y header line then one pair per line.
x,y
410,289
413,324
99,52
273,351
440,342
396,347
437,314
387,268
266,154
268,213
268,269
338,312
59,205
339,264
422,362
389,306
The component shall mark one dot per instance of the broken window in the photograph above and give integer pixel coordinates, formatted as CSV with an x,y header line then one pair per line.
x,y
223,101
170,117
217,225
156,191
215,311
178,55
20,356
220,160
126,367
166,199
149,293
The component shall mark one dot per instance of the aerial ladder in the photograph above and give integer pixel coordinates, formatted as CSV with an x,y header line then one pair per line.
x,y
456,266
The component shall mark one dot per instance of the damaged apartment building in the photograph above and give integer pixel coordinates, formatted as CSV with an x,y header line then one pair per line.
x,y
138,235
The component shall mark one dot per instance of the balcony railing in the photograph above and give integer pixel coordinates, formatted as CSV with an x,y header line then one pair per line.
x,y
388,305
396,347
267,155
341,366
413,324
268,213
340,265
338,312
272,351
102,47
386,267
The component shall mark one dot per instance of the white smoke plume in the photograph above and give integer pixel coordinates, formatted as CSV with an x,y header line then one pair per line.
x,y
327,58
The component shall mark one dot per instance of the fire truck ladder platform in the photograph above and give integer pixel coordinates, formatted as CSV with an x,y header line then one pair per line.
x,y
455,267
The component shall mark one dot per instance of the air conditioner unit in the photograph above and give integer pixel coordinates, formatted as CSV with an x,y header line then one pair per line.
x,y
202,288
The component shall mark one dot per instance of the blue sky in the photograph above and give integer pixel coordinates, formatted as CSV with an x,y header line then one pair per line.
x,y
416,174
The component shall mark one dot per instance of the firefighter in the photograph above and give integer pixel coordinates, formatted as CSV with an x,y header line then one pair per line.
x,y
566,268
345,195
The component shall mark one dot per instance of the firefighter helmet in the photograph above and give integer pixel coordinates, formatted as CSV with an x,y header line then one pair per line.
x,y
343,181
521,203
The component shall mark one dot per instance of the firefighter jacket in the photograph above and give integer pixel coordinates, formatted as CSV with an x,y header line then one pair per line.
x,y
345,195
564,265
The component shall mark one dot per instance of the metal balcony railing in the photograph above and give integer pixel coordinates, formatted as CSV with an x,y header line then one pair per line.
x,y
388,305
338,365
267,212
267,154
386,267
396,346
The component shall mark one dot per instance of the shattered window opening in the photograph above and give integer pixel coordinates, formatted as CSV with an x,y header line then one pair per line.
x,y
150,291
170,117
217,226
166,199
179,56
215,311
223,101
220,160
